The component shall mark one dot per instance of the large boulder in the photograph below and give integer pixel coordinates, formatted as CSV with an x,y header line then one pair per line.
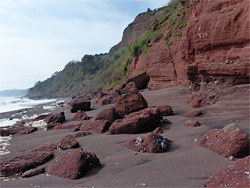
x,y
24,162
99,126
108,114
79,104
68,142
140,80
80,116
130,103
226,143
127,88
151,143
73,164
165,110
107,99
137,122
55,118
236,175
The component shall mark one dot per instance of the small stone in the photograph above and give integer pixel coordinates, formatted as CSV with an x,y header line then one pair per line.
x,y
196,139
135,153
231,158
116,164
108,157
238,120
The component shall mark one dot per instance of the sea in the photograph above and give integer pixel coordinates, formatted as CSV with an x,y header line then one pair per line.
x,y
8,104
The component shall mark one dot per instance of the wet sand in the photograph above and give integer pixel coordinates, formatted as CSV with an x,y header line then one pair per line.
x,y
185,164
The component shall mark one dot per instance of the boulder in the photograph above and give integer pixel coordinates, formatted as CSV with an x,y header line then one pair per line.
x,y
99,126
68,142
158,130
52,126
33,172
130,103
47,148
195,101
80,116
231,127
82,134
17,130
27,130
151,143
79,104
226,143
193,113
128,88
24,162
137,122
140,80
107,99
236,175
55,118
165,110
73,164
41,117
108,114
192,123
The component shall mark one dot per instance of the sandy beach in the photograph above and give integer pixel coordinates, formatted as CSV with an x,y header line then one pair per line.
x,y
185,164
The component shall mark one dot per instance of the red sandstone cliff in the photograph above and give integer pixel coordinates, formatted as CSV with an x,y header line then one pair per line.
x,y
215,45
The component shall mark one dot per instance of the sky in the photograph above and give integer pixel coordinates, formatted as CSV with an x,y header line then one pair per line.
x,y
39,37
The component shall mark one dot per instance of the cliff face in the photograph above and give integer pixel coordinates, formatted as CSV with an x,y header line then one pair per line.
x,y
214,46
188,43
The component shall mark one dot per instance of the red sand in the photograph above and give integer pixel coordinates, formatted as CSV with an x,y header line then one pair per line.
x,y
184,165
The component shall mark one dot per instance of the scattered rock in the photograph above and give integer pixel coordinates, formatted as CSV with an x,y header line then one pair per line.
x,y
130,103
129,88
158,130
165,110
41,117
227,143
68,142
193,114
68,126
79,104
16,129
151,143
47,148
73,164
137,122
80,116
99,126
52,126
24,162
195,101
57,118
236,175
231,127
82,134
140,80
107,99
231,158
192,123
33,172
108,114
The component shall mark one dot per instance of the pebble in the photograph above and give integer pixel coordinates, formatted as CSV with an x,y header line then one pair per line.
x,y
135,153
231,158
108,157
116,164
196,139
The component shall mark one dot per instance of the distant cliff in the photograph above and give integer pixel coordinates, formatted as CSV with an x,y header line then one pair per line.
x,y
185,43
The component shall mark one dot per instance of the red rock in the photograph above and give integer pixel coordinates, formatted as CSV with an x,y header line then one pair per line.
x,y
24,162
226,143
82,134
67,126
99,126
193,114
80,116
107,99
140,80
75,129
79,104
57,118
108,114
130,103
28,130
192,123
158,130
236,175
137,122
165,110
52,126
33,172
128,88
47,148
16,130
73,164
151,143
195,101
68,142
166,121
41,117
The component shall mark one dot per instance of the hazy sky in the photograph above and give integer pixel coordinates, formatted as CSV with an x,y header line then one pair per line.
x,y
39,37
